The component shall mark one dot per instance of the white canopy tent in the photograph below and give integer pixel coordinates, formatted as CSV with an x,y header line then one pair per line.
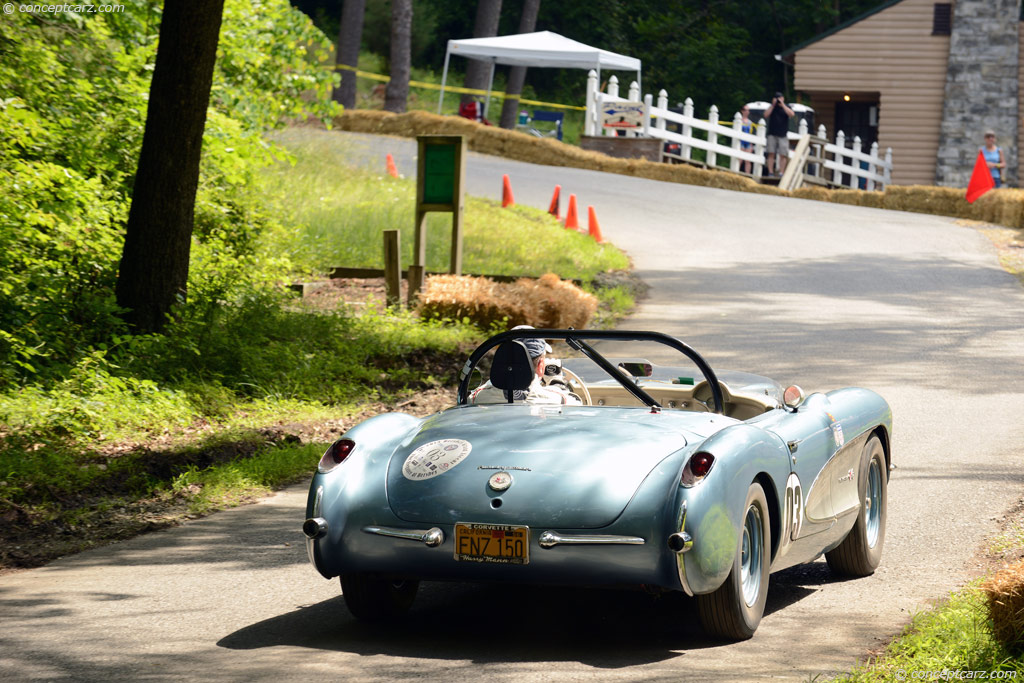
x,y
543,48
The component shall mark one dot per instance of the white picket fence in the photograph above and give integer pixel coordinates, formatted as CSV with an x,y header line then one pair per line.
x,y
828,163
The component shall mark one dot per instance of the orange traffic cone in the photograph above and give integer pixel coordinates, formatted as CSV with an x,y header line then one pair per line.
x,y
592,227
392,169
506,192
571,221
553,209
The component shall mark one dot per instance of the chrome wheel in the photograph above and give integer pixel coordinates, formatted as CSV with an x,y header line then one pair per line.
x,y
734,609
861,550
873,502
750,567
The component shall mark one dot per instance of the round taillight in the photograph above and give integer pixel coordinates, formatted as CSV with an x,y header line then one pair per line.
x,y
696,469
336,454
701,463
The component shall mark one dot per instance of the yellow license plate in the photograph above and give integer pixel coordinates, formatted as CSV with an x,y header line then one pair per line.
x,y
503,543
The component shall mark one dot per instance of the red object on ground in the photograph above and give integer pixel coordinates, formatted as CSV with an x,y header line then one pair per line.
x,y
572,222
506,192
981,180
553,209
592,226
392,169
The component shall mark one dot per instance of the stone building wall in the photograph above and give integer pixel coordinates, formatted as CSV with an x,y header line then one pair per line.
x,y
982,84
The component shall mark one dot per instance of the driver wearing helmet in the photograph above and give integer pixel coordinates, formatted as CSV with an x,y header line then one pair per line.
x,y
538,393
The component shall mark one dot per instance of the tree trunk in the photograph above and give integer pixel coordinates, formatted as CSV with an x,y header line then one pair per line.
x,y
517,74
350,38
397,92
154,264
488,12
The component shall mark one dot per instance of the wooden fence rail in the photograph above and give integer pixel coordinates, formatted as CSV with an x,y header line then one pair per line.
x,y
841,163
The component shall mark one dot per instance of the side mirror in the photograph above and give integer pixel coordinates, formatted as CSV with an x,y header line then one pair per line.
x,y
637,369
793,397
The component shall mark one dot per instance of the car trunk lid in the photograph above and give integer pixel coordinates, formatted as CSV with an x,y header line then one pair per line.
x,y
570,467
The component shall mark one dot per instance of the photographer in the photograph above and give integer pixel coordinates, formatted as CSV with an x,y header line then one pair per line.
x,y
778,126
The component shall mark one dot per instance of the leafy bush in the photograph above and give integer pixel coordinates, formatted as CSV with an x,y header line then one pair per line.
x,y
72,111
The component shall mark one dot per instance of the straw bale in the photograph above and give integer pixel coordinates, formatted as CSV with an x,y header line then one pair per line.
x,y
1004,597
1003,206
940,201
546,302
555,302
857,198
812,192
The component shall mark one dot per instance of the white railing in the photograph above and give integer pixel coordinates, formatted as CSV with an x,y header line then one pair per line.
x,y
837,165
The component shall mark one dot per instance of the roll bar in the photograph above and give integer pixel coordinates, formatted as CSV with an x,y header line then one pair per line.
x,y
576,339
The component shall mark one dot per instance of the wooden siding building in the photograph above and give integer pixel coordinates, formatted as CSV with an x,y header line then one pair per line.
x,y
883,76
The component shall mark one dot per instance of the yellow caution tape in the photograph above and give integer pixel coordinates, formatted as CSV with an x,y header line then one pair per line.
x,y
452,88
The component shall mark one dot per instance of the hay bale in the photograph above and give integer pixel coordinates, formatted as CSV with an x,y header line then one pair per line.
x,y
1004,597
811,192
1003,206
546,302
554,302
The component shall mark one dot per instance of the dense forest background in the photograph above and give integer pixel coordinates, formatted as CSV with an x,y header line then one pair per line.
x,y
714,51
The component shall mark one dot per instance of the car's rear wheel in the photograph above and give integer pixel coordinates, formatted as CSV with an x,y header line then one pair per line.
x,y
374,599
861,550
734,610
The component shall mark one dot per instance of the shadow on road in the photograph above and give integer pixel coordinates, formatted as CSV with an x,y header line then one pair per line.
x,y
869,319
488,623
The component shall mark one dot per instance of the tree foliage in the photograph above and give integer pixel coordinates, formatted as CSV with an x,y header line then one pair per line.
x,y
73,92
713,51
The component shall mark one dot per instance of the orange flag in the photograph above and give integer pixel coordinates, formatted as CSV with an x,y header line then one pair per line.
x,y
981,180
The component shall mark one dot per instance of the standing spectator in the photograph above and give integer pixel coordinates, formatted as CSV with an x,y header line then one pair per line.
x,y
746,126
993,157
778,126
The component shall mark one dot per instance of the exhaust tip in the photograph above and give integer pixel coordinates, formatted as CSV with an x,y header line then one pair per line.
x,y
314,527
680,542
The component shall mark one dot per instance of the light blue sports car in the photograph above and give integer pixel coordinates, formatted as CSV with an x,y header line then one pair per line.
x,y
670,477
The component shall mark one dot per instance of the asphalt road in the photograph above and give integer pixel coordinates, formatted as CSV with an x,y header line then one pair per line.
x,y
912,306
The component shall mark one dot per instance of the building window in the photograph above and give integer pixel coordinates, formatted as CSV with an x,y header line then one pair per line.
x,y
942,19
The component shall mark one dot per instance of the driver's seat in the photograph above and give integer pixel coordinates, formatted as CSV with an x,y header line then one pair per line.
x,y
512,369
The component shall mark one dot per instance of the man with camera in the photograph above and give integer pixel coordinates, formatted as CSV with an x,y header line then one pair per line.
x,y
778,126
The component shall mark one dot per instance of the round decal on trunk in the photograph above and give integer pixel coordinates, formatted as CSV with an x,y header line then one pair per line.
x,y
434,458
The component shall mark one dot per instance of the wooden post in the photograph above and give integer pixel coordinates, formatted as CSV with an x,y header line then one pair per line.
x,y
855,162
455,264
762,137
837,174
634,96
712,156
592,115
684,150
613,94
648,103
662,104
737,127
393,267
873,168
415,284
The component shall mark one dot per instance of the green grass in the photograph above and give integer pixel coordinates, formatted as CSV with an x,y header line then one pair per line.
x,y
228,485
955,637
198,396
339,212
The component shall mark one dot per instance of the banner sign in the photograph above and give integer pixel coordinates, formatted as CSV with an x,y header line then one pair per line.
x,y
622,115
